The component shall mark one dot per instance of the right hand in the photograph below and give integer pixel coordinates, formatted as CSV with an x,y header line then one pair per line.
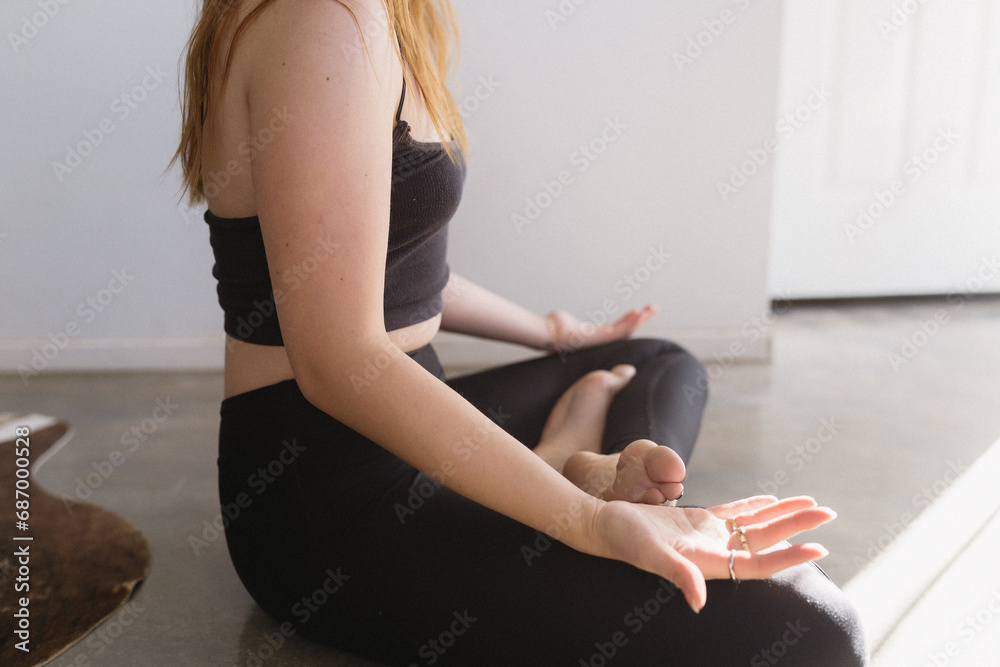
x,y
568,333
688,545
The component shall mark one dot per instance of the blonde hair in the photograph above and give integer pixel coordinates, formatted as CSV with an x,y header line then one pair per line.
x,y
427,36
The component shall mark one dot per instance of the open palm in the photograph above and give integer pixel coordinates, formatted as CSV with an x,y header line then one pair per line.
x,y
567,332
688,545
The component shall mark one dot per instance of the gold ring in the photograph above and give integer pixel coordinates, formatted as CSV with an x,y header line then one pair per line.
x,y
742,532
732,520
732,562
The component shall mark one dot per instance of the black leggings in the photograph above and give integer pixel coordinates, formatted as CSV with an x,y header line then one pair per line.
x,y
337,536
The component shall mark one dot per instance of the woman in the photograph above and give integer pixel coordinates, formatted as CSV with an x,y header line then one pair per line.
x,y
403,517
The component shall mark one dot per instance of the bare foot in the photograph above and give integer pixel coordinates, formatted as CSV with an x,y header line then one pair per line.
x,y
643,473
576,423
571,443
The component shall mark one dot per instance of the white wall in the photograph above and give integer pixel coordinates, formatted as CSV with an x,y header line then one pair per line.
x,y
561,73
65,233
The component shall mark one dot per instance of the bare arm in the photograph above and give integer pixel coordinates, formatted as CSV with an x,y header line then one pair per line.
x,y
476,311
325,179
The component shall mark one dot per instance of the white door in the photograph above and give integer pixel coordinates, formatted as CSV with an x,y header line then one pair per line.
x,y
887,183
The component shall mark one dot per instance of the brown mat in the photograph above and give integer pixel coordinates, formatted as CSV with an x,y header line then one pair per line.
x,y
84,561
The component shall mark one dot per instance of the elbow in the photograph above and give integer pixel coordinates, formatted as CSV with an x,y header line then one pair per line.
x,y
336,379
313,389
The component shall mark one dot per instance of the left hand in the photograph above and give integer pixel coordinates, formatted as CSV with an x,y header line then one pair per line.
x,y
688,545
566,332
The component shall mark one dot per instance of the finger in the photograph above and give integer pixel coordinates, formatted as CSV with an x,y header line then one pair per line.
x,y
631,315
695,591
640,316
631,321
740,506
684,574
748,566
650,309
616,331
760,508
762,566
764,535
780,508
610,332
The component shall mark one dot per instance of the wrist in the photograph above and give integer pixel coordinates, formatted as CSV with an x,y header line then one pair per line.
x,y
555,331
573,524
546,333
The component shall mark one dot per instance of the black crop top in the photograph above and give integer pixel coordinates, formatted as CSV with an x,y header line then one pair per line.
x,y
426,189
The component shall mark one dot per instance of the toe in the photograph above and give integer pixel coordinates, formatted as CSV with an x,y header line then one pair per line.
x,y
652,497
663,465
602,384
624,371
613,380
671,491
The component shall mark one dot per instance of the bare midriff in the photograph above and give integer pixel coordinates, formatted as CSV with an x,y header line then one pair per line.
x,y
250,366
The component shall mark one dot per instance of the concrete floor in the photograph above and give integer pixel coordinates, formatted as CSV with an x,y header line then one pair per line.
x,y
834,415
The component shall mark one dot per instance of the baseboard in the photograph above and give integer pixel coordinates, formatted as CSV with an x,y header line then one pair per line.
x,y
714,347
920,551
28,358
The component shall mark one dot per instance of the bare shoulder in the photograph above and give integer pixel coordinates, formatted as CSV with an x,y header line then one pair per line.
x,y
331,69
321,174
297,40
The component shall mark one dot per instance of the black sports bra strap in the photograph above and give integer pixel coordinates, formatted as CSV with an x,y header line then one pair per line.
x,y
402,97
